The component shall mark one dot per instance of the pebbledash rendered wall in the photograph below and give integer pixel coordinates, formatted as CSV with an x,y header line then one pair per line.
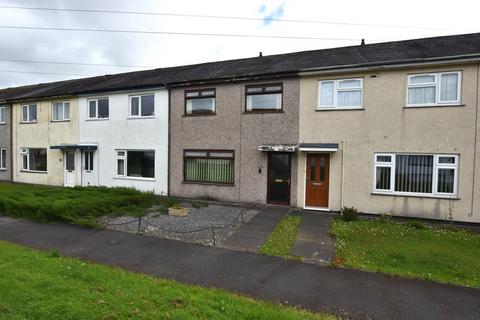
x,y
386,125
5,143
233,129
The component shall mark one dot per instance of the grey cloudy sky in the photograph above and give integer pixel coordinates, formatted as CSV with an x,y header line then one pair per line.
x,y
411,18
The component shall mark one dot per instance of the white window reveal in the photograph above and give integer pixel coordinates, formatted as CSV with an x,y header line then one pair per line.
x,y
61,111
340,94
142,105
34,159
98,108
136,163
3,115
416,174
3,159
434,89
29,113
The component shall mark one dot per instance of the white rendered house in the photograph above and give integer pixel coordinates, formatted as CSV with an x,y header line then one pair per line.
x,y
130,132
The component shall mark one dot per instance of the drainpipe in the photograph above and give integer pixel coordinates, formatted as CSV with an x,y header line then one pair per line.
x,y
343,175
475,143
10,107
169,148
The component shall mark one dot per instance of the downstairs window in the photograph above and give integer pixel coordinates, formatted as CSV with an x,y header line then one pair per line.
x,y
215,167
136,163
416,174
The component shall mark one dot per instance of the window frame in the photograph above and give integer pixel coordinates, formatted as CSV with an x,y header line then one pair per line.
x,y
3,121
139,96
435,170
124,158
28,106
88,166
27,154
438,85
96,108
208,151
336,90
3,159
64,119
200,92
263,91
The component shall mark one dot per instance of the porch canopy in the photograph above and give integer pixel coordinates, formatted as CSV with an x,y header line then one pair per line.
x,y
66,146
278,147
318,147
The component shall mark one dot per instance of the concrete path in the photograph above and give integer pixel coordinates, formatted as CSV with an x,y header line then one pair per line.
x,y
360,295
314,241
252,235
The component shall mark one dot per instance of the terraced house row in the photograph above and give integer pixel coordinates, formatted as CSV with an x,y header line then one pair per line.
x,y
387,127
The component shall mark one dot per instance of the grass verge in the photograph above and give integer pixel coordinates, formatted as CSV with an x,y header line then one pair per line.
x,y
431,253
79,205
40,285
282,238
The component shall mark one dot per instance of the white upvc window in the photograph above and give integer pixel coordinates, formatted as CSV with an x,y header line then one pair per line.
x,y
61,111
142,105
138,164
29,113
416,174
340,94
3,159
98,108
3,115
34,159
432,89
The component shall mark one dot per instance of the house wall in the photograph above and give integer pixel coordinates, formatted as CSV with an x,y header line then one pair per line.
x,y
5,143
233,129
386,125
43,134
122,132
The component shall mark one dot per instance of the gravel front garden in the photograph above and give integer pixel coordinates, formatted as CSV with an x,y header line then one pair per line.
x,y
207,225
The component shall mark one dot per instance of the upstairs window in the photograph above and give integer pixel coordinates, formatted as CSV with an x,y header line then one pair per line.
x,y
61,111
264,97
3,159
340,94
200,101
34,159
434,89
3,115
29,113
142,105
416,174
98,108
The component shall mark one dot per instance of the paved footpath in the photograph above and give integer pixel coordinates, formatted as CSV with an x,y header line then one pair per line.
x,y
358,294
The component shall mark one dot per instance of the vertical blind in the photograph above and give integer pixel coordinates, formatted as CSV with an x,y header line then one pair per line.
x,y
209,167
414,173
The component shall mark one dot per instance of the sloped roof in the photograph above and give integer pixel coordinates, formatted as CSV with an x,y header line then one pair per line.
x,y
386,53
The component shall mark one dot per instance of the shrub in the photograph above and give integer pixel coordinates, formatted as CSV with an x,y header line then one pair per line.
x,y
349,214
417,224
197,204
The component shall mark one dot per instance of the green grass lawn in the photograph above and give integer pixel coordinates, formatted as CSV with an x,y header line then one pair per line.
x,y
41,285
282,238
79,205
409,250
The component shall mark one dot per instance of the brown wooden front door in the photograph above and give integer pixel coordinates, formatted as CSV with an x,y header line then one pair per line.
x,y
318,173
278,178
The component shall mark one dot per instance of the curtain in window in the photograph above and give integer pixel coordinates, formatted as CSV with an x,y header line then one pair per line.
x,y
3,114
449,84
349,98
271,101
202,105
414,173
420,95
209,170
38,159
327,91
57,111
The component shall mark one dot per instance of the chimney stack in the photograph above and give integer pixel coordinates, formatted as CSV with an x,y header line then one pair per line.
x,y
260,54
363,42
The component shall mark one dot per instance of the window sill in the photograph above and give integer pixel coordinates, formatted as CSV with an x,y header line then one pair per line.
x,y
434,106
319,109
3,169
378,193
97,119
141,118
3,123
30,122
33,171
55,121
210,183
263,111
135,178
199,115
